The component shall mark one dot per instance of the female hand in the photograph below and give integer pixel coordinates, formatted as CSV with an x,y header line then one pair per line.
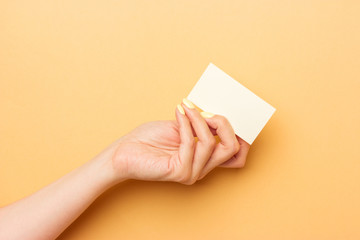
x,y
160,150
168,150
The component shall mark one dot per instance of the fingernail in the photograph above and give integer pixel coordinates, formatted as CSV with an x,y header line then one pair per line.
x,y
188,103
206,114
181,109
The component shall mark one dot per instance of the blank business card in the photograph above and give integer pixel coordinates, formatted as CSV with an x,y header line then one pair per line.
x,y
218,93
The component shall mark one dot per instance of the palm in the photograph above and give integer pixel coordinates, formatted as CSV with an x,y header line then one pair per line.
x,y
150,150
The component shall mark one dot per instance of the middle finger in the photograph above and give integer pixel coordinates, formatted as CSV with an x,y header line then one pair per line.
x,y
206,141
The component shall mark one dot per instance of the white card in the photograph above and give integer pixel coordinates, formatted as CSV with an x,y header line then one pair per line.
x,y
218,93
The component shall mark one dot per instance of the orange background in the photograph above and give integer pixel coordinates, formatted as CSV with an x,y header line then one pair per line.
x,y
76,75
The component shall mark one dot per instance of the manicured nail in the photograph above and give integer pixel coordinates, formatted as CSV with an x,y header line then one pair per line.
x,y
181,109
188,103
206,114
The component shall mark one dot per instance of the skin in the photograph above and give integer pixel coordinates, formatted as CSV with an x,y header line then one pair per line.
x,y
182,150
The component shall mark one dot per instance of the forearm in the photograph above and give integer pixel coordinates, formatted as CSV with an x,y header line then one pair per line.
x,y
46,213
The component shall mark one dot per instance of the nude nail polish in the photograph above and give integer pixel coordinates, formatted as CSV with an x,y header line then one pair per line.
x,y
206,114
181,109
188,103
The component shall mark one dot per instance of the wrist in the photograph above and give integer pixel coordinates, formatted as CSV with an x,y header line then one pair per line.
x,y
105,169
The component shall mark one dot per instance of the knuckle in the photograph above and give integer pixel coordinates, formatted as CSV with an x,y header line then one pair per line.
x,y
236,147
233,148
189,182
209,142
190,141
212,141
240,164
183,176
222,120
